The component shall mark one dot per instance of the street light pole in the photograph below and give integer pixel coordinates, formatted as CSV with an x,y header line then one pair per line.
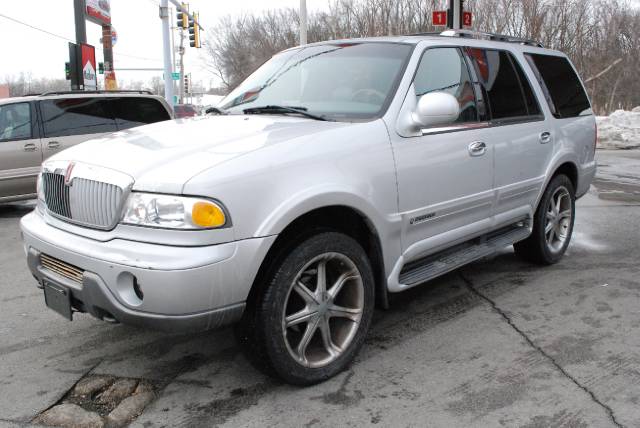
x,y
457,14
181,51
303,22
166,44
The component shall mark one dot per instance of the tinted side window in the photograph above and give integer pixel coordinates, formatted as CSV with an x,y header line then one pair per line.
x,y
445,70
76,116
15,122
533,108
133,111
563,85
500,82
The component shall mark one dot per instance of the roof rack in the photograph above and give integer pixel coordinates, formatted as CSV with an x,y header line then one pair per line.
x,y
490,36
96,92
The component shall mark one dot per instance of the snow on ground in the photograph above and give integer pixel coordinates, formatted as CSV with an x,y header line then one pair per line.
x,y
620,130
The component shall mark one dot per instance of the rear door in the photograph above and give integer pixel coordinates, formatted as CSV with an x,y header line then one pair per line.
x,y
130,112
20,150
521,137
69,121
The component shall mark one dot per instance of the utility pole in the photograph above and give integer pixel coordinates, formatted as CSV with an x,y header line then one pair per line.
x,y
303,22
166,44
454,17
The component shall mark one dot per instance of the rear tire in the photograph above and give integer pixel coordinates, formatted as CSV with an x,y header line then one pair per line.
x,y
552,224
313,314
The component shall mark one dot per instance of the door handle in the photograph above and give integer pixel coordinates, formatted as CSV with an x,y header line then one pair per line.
x,y
545,137
30,147
53,145
477,148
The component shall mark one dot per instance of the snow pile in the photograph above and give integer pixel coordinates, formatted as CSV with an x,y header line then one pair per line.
x,y
621,130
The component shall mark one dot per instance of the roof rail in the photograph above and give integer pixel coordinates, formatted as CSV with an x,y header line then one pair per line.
x,y
96,92
490,36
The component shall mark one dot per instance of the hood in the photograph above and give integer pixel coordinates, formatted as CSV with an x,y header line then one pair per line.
x,y
163,156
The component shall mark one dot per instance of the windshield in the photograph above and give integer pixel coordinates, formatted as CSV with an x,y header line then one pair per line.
x,y
337,81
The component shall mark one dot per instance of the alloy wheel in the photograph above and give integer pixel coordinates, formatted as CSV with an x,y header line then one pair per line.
x,y
559,215
323,310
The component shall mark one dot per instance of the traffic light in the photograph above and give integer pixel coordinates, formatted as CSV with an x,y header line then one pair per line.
x,y
183,18
194,32
67,70
101,67
187,84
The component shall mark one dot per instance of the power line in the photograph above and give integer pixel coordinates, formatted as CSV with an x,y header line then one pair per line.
x,y
69,40
35,28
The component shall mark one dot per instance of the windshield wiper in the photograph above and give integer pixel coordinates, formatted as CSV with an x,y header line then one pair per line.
x,y
284,109
216,110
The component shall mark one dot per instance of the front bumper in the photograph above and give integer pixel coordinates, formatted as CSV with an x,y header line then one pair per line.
x,y
179,288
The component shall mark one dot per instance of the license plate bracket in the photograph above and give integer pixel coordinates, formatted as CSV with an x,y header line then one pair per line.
x,y
58,298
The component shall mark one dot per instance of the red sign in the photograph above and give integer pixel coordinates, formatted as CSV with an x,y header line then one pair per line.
x,y
88,63
99,11
467,19
440,17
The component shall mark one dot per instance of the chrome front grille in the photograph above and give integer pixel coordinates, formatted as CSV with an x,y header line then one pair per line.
x,y
83,201
61,268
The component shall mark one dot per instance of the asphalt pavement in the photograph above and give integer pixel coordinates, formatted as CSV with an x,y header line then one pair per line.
x,y
498,343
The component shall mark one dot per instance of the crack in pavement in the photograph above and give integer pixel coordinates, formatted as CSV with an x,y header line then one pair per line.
x,y
538,348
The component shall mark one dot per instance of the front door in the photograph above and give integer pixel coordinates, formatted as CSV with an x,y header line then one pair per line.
x,y
445,174
20,151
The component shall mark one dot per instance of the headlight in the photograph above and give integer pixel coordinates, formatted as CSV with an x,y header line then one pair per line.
x,y
173,212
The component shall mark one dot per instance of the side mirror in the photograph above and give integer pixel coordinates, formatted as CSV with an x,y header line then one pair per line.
x,y
436,108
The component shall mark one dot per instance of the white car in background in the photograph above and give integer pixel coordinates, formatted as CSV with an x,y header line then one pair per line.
x,y
33,128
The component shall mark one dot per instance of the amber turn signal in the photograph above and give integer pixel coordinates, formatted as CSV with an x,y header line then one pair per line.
x,y
207,214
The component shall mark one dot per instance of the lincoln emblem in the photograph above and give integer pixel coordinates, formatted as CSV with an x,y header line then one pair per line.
x,y
67,175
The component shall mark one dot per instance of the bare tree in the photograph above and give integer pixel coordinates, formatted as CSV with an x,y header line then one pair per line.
x,y
594,33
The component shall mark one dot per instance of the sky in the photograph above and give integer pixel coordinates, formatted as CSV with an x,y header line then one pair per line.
x,y
139,31
138,26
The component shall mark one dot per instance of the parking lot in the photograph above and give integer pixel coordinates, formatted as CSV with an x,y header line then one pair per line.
x,y
499,343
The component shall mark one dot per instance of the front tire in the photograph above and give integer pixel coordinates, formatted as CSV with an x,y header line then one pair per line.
x,y
313,315
553,224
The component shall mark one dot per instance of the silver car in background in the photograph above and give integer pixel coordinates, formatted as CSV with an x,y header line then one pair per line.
x,y
34,128
337,173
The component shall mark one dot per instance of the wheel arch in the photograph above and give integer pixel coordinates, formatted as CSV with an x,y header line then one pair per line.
x,y
340,218
563,165
569,169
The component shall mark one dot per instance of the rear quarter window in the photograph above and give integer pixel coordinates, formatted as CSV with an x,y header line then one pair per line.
x,y
136,111
76,116
564,92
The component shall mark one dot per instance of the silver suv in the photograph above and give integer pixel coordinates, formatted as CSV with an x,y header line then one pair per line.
x,y
33,128
337,173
